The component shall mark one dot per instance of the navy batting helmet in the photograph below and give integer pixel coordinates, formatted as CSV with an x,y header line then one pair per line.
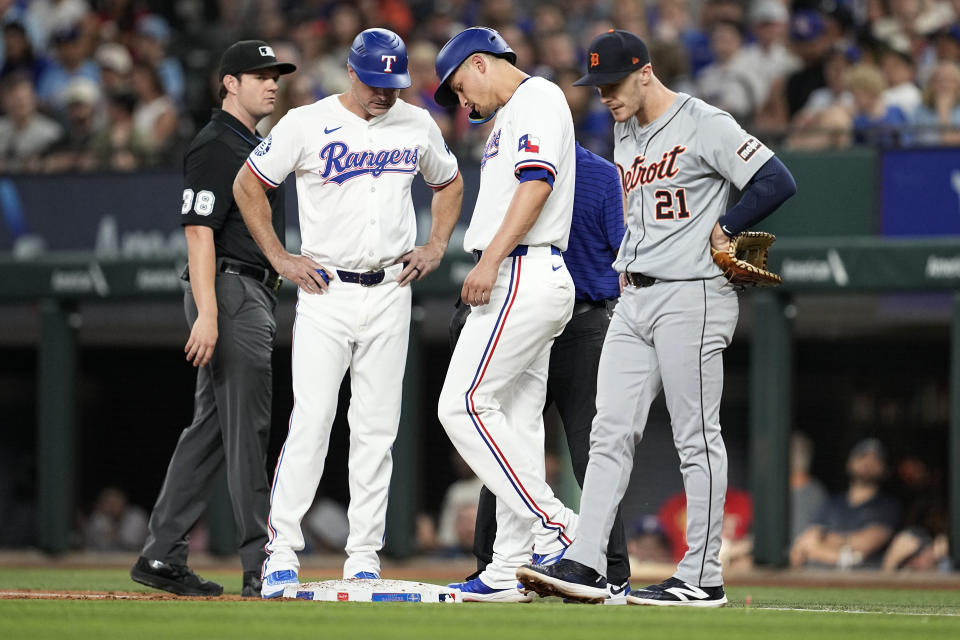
x,y
458,49
379,58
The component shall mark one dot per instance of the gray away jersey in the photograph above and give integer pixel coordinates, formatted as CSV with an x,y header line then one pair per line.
x,y
676,173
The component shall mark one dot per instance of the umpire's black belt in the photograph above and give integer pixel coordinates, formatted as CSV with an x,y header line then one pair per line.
x,y
365,279
639,280
519,250
267,277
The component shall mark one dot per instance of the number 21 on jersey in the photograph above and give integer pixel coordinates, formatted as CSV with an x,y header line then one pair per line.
x,y
667,200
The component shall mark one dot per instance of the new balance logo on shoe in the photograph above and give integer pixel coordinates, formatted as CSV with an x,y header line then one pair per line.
x,y
675,592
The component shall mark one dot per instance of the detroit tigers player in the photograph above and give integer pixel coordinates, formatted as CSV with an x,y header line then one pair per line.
x,y
678,158
521,294
355,156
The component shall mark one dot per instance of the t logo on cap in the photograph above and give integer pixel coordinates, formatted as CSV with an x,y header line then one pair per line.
x,y
267,51
594,59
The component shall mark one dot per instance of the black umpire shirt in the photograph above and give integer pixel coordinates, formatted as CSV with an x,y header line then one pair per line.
x,y
209,169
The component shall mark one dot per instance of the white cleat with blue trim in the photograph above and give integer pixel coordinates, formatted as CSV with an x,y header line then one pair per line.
x,y
274,583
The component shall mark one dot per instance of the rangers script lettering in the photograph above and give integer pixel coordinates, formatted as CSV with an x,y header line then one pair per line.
x,y
343,164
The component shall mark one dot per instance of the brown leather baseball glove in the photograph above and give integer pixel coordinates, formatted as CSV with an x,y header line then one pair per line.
x,y
745,261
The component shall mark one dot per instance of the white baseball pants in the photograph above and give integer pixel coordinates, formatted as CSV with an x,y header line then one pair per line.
x,y
365,330
492,402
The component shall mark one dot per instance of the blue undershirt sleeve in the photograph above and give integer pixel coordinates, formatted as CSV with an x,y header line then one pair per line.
x,y
533,173
769,187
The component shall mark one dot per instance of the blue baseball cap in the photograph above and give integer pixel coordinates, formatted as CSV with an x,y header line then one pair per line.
x,y
807,25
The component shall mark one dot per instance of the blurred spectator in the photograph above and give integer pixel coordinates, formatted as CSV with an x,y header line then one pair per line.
x,y
25,133
19,55
72,152
458,514
114,524
326,526
673,65
736,543
938,117
155,116
834,93
421,57
673,22
771,61
150,45
44,18
831,128
648,544
898,70
71,61
731,82
329,70
811,44
116,64
852,529
807,494
591,119
737,519
118,146
923,544
873,121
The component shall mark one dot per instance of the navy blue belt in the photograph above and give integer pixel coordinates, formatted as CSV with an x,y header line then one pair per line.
x,y
365,279
519,250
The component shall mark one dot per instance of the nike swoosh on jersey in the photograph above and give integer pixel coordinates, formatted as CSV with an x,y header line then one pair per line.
x,y
557,268
325,130
624,137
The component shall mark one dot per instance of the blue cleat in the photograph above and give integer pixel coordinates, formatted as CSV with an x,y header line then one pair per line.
x,y
477,591
366,575
547,559
276,582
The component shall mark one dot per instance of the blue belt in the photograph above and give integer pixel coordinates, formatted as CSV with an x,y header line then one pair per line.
x,y
519,250
365,279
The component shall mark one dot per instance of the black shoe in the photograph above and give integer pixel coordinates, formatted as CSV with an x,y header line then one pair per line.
x,y
251,584
675,592
566,579
175,578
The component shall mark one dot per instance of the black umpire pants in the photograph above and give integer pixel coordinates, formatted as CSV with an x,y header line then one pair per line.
x,y
231,425
572,387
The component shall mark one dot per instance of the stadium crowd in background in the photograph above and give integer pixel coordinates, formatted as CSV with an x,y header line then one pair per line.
x,y
108,85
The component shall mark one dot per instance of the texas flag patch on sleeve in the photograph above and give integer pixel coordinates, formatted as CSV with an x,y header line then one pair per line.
x,y
529,144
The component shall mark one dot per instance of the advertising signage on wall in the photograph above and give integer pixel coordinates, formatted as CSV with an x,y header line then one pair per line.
x,y
920,192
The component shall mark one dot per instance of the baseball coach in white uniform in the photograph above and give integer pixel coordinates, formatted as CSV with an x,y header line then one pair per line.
x,y
355,156
521,294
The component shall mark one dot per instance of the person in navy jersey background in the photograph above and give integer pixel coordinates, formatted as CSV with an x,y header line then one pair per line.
x,y
595,236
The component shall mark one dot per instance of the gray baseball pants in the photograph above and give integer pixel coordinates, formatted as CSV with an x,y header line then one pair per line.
x,y
231,424
669,336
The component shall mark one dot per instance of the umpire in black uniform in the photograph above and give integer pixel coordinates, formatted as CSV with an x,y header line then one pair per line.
x,y
595,235
230,299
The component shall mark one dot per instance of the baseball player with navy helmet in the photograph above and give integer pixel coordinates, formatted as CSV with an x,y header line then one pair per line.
x,y
521,296
678,159
355,156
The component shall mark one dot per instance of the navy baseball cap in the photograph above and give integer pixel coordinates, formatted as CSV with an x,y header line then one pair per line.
x,y
612,56
251,55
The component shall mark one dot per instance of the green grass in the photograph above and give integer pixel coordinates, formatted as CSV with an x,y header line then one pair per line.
x,y
890,614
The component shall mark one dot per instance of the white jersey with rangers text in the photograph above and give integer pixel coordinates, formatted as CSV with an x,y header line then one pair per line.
x,y
348,170
533,129
669,170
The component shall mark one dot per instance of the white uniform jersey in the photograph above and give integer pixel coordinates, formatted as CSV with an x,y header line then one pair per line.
x,y
669,170
351,169
533,129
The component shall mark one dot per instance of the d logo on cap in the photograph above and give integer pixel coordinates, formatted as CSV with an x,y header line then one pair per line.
x,y
594,59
